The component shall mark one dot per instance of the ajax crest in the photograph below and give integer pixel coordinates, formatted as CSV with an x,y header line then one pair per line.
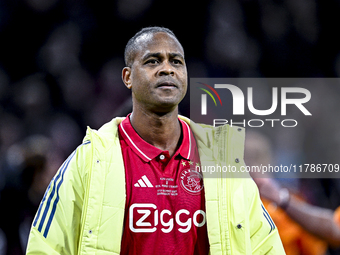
x,y
191,181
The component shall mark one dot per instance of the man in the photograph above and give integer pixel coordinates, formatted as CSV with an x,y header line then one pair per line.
x,y
131,187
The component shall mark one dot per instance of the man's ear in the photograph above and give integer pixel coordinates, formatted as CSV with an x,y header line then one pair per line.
x,y
126,76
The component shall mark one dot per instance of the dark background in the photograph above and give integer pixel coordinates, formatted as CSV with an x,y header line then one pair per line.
x,y
60,70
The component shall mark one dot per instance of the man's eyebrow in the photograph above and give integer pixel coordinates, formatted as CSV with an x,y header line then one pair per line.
x,y
174,55
158,55
151,54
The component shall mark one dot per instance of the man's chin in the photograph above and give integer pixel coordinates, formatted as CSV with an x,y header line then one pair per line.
x,y
165,106
168,101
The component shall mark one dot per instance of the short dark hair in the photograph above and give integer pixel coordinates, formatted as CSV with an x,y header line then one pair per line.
x,y
131,46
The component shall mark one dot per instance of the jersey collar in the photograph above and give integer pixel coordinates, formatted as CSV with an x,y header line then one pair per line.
x,y
148,152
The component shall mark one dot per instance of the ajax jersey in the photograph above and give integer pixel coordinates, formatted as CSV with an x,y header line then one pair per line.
x,y
165,205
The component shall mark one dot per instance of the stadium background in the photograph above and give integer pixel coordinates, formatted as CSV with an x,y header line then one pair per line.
x,y
60,71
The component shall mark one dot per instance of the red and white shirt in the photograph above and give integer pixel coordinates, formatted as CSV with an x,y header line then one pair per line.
x,y
165,205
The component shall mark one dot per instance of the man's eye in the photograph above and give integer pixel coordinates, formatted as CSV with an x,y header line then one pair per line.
x,y
176,61
152,61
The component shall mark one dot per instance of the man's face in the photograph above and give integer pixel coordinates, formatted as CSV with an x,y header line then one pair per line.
x,y
158,75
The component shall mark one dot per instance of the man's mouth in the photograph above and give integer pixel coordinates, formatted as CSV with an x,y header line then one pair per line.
x,y
167,84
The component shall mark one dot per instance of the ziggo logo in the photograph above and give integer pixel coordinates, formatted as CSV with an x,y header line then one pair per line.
x,y
142,225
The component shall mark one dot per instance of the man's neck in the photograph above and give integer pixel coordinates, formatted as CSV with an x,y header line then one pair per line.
x,y
162,131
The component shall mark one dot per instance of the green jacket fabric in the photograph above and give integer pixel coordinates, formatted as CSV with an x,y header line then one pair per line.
x,y
82,211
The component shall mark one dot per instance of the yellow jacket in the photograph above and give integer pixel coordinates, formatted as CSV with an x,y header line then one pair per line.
x,y
82,211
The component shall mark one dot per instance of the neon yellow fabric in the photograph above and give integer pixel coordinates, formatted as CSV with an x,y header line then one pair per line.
x,y
83,209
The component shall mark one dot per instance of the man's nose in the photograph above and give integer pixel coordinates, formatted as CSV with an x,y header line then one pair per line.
x,y
166,69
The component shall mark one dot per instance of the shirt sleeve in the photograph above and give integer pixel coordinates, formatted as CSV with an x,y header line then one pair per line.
x,y
57,223
265,239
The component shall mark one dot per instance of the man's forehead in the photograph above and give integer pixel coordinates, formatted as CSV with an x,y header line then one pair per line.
x,y
157,40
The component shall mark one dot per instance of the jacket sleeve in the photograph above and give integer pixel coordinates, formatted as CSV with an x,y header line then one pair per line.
x,y
57,223
265,238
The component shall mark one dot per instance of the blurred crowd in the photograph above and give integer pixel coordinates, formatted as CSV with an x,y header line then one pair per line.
x,y
60,71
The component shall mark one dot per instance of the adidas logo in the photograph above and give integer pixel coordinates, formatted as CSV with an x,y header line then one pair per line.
x,y
144,182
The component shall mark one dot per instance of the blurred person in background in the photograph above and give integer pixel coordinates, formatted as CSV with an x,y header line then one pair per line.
x,y
321,222
28,167
303,228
